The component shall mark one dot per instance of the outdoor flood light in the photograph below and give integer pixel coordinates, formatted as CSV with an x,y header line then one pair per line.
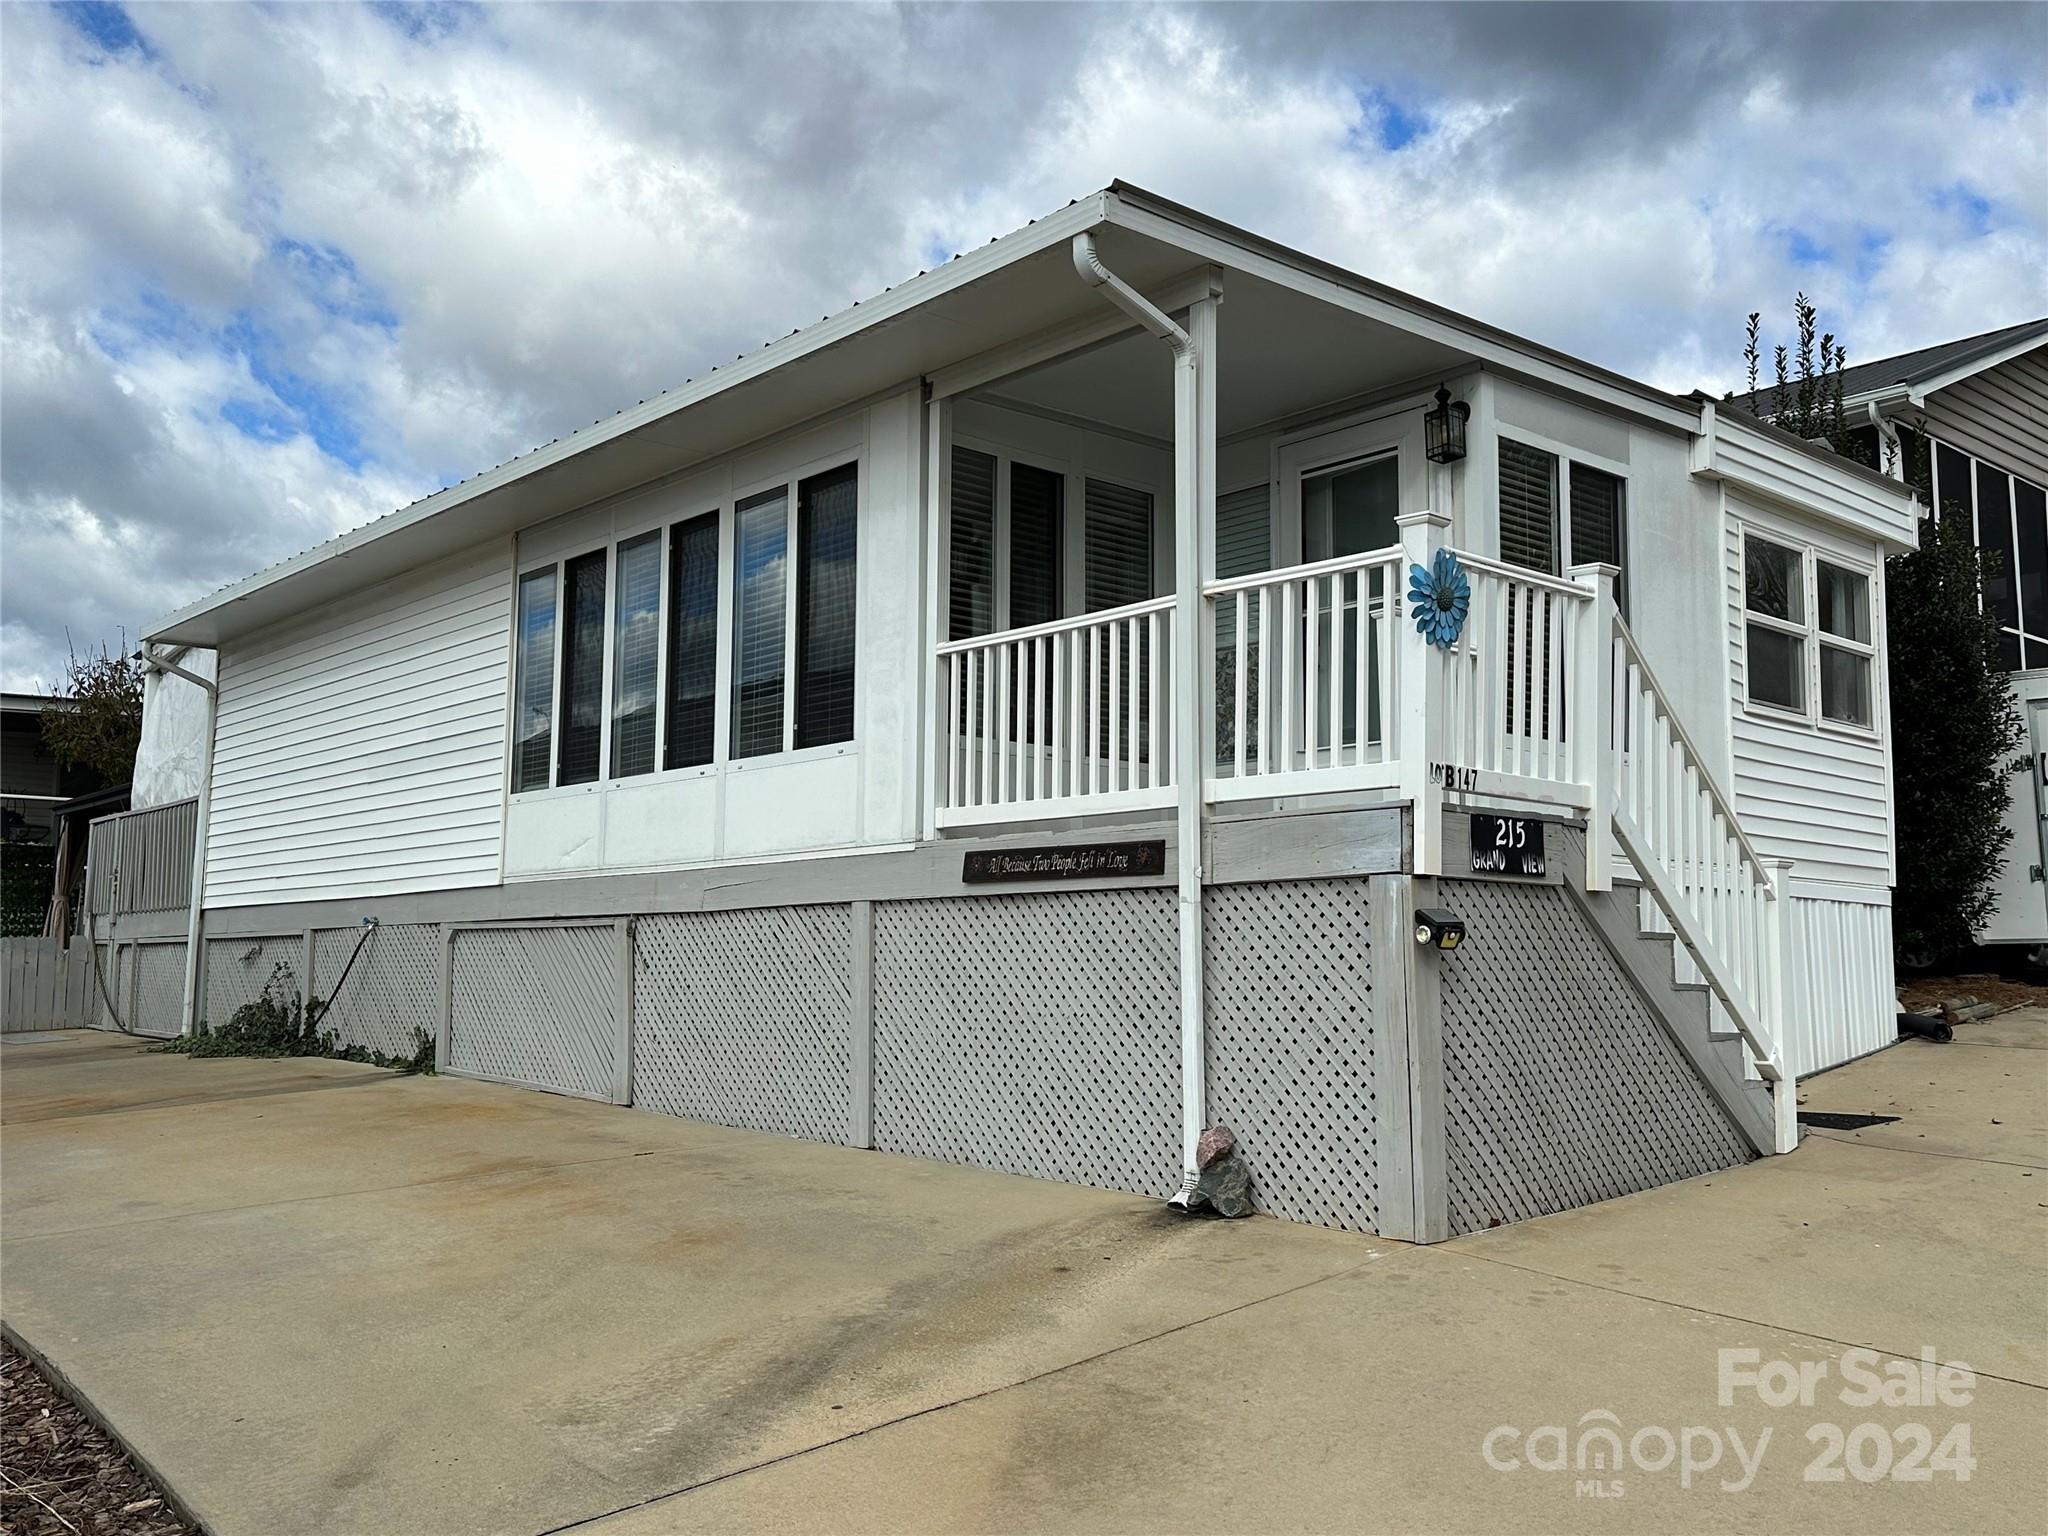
x,y
1444,428
1438,928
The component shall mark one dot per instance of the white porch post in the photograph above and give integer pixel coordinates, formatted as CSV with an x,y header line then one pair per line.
x,y
1594,716
1194,501
938,562
1781,962
1419,694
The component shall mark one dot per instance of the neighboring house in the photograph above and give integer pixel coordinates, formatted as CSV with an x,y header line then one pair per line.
x,y
32,781
1981,406
989,725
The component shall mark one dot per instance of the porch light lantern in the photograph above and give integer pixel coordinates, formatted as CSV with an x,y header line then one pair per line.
x,y
1444,428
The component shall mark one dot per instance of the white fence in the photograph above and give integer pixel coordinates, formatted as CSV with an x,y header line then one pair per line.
x,y
47,985
1062,719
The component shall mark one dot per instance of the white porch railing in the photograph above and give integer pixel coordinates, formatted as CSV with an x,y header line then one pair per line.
x,y
1514,722
1071,718
1305,683
1725,902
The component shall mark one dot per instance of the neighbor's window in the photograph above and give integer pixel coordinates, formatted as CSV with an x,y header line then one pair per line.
x,y
971,587
692,642
762,575
1117,542
1774,593
636,655
1842,598
533,729
1528,506
1037,501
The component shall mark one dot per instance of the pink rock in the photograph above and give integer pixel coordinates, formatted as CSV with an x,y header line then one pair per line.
x,y
1217,1141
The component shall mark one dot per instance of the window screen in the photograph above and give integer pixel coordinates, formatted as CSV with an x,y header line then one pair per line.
x,y
1774,593
1036,496
1528,506
761,573
1842,606
692,641
1995,541
636,655
828,517
534,732
2030,515
971,595
1116,546
582,724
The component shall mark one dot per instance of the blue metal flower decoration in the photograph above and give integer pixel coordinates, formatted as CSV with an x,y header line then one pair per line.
x,y
1439,597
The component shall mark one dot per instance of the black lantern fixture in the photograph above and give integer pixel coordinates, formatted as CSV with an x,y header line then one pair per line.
x,y
1444,428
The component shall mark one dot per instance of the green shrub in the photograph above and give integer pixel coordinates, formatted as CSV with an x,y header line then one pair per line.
x,y
277,1024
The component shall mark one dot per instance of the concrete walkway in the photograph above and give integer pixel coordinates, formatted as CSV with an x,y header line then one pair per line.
x,y
319,1298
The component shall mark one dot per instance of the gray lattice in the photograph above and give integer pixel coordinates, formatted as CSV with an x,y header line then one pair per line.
x,y
1295,1066
1034,1034
1560,1088
743,1018
536,1006
237,970
393,989
159,992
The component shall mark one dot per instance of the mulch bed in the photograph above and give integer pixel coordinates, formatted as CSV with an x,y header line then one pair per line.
x,y
59,1476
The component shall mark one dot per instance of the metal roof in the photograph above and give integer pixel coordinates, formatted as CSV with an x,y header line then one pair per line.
x,y
1948,357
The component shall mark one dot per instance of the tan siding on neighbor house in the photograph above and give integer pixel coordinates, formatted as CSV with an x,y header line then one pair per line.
x,y
361,750
2000,415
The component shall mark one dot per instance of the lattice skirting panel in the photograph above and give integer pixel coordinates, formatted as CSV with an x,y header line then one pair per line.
x,y
537,1006
1036,1034
1560,1088
392,993
157,999
745,1018
1295,1065
237,970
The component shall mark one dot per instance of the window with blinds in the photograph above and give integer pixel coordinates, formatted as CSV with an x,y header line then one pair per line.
x,y
1528,506
582,709
1596,523
692,642
827,535
1244,536
761,575
1116,558
636,655
533,731
1036,497
971,589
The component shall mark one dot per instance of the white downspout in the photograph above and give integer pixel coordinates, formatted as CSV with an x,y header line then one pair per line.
x,y
1187,691
189,1014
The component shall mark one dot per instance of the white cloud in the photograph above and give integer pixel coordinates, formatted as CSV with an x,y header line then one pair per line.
x,y
292,266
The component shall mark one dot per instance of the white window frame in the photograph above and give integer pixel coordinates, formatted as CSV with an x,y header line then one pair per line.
x,y
1330,447
663,516
1811,635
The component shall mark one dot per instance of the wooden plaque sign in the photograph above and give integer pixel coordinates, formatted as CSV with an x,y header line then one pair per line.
x,y
1075,861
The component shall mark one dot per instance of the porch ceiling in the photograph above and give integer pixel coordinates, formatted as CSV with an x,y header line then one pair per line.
x,y
1279,354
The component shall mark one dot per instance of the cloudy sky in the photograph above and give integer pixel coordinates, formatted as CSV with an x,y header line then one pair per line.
x,y
268,272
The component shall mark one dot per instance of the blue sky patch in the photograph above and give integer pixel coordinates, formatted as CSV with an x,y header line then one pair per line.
x,y
1804,250
1389,123
328,276
305,405
1966,203
426,22
107,24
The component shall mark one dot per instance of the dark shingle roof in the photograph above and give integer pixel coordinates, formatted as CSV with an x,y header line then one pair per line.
x,y
1930,362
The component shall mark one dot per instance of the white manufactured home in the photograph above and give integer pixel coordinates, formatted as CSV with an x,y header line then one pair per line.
x,y
993,724
1968,420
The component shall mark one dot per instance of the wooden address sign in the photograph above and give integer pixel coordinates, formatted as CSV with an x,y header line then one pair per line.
x,y
1075,861
1507,845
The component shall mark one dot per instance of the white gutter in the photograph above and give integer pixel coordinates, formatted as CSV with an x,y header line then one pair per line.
x,y
1192,396
189,1012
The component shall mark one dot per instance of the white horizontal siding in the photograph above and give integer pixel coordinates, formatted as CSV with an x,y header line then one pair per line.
x,y
2000,415
1820,798
360,751
1843,1004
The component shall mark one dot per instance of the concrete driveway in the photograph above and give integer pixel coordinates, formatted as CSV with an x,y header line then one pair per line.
x,y
319,1298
